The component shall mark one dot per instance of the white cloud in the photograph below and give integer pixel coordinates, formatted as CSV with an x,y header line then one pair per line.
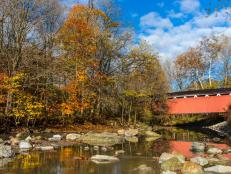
x,y
178,39
154,20
189,6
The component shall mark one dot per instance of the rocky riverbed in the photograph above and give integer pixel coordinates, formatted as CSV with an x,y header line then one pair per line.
x,y
135,151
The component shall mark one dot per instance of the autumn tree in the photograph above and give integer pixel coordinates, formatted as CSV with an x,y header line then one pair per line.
x,y
190,64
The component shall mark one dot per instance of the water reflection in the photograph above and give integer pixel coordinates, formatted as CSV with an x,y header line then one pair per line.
x,y
75,160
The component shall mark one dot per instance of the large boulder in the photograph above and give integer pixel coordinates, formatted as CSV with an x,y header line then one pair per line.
x,y
151,134
55,138
218,169
166,156
191,168
172,164
103,159
142,169
101,139
5,151
131,132
198,147
150,139
214,150
24,145
200,160
73,137
219,160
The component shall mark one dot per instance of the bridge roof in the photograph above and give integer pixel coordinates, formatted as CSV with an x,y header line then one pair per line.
x,y
211,92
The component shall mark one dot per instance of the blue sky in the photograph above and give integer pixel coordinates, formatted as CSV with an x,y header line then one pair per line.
x,y
172,26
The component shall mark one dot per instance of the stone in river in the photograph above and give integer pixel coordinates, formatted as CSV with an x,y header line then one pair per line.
x,y
101,139
191,168
104,149
166,156
131,132
152,134
73,137
96,148
24,145
219,160
142,169
104,159
172,164
150,139
198,147
214,150
219,169
200,160
168,172
55,138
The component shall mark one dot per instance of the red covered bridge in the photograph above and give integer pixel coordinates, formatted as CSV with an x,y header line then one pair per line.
x,y
200,101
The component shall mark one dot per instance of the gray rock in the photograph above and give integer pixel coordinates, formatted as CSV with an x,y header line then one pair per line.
x,y
216,139
172,164
24,145
166,156
96,148
5,151
143,169
200,160
101,139
131,132
150,139
1,140
104,149
198,147
214,150
73,137
151,134
104,159
168,172
218,160
218,169
55,138
191,168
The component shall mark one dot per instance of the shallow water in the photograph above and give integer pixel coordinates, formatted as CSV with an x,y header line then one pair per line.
x,y
74,160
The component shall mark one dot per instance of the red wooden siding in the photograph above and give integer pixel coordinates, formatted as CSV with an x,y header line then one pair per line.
x,y
211,104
